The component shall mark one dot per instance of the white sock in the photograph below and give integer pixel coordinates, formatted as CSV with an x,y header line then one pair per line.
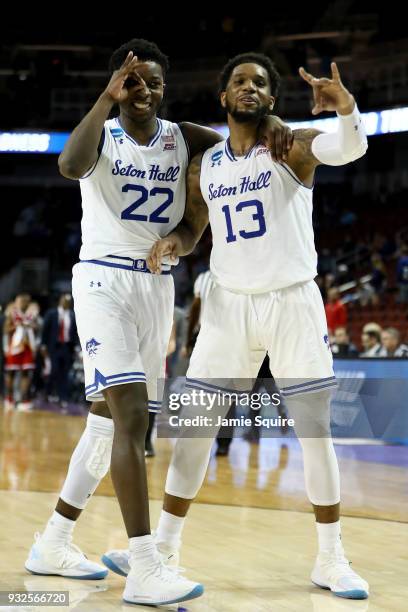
x,y
142,551
169,529
58,526
328,534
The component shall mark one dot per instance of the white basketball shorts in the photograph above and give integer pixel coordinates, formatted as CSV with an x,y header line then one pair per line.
x,y
124,317
238,329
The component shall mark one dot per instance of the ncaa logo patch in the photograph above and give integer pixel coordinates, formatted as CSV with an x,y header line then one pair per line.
x,y
118,134
216,158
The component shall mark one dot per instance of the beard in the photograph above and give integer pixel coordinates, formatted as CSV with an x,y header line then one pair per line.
x,y
247,116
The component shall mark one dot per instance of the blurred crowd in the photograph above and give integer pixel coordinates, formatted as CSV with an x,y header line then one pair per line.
x,y
42,357
40,353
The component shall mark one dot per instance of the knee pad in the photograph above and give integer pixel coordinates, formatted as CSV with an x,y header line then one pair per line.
x,y
99,458
311,413
90,461
188,466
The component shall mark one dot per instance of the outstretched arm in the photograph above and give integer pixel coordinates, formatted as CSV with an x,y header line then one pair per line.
x,y
183,239
312,147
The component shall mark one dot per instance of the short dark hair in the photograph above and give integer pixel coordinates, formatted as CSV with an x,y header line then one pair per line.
x,y
251,58
145,51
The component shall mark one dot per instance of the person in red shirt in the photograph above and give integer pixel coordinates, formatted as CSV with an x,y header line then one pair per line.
x,y
19,330
336,312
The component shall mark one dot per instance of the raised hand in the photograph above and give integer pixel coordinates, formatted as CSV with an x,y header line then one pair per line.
x,y
116,89
329,94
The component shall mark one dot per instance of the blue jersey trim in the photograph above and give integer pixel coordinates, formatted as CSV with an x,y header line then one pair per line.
x,y
157,135
200,384
152,140
109,264
309,389
311,382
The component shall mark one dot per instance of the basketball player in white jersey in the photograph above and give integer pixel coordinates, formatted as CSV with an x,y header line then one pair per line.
x,y
202,287
132,177
263,262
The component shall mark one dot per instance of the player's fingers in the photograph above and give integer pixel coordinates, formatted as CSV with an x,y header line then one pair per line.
x,y
127,61
153,258
335,72
163,249
151,261
173,253
130,66
277,147
317,107
129,58
289,138
309,78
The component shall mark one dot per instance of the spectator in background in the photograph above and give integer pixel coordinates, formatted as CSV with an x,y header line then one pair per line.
x,y
59,336
391,344
378,276
326,262
371,341
342,347
336,312
372,326
364,293
20,325
328,283
402,275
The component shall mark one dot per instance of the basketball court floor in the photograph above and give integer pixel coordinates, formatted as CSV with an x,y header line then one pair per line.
x,y
250,537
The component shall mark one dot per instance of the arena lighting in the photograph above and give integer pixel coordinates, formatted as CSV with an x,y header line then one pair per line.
x,y
376,123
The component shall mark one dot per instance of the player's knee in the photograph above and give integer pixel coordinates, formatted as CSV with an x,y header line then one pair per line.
x,y
131,417
128,407
99,459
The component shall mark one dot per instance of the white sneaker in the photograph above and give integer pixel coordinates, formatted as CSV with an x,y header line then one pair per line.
x,y
62,558
118,560
332,571
156,584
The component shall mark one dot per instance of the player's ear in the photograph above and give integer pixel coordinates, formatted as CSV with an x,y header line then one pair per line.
x,y
223,98
272,101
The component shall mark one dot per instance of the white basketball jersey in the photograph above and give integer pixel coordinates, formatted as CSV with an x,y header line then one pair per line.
x,y
202,287
261,221
134,194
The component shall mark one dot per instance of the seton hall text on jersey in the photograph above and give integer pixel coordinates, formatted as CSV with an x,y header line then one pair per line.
x,y
155,173
246,183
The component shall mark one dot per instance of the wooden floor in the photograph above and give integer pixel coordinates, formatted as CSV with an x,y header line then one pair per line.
x,y
250,554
